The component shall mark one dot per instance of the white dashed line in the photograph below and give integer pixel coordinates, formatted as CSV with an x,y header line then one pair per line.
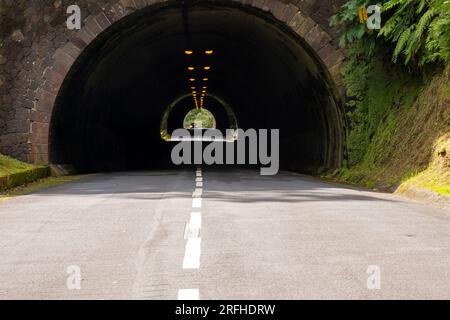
x,y
197,203
188,294
194,225
197,193
192,254
193,249
191,232
196,220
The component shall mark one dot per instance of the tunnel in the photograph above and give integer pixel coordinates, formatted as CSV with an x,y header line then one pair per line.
x,y
175,114
108,112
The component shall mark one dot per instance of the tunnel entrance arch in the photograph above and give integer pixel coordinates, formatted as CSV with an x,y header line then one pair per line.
x,y
278,68
175,113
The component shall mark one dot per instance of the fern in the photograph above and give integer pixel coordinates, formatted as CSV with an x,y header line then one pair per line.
x,y
421,6
415,31
425,21
391,4
401,43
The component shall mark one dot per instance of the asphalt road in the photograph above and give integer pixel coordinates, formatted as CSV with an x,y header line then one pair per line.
x,y
248,237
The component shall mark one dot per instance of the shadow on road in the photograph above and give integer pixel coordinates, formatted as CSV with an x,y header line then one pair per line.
x,y
245,186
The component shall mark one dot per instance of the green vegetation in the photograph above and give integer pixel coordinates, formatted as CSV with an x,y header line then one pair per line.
x,y
9,166
417,31
202,118
399,113
437,176
15,173
397,122
36,186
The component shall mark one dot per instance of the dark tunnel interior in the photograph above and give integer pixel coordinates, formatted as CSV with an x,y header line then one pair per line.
x,y
108,112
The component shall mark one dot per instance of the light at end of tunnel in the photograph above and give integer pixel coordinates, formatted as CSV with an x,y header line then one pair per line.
x,y
188,52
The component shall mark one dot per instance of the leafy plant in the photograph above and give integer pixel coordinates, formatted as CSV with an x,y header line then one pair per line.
x,y
201,117
417,31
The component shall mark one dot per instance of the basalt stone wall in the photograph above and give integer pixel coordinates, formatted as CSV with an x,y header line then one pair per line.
x,y
30,33
37,51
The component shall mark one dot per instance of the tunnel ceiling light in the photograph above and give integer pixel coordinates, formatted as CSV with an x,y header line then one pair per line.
x,y
207,68
209,52
205,79
191,68
204,87
192,79
188,52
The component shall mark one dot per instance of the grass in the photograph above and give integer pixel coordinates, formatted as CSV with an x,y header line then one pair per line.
x,y
436,177
23,173
36,186
411,146
15,173
9,166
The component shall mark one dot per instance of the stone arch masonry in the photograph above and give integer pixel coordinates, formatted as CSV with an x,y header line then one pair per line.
x,y
37,51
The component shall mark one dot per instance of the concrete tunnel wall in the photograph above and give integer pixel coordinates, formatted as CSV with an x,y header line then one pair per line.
x,y
51,68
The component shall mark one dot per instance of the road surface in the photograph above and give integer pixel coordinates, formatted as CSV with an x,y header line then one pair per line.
x,y
220,235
